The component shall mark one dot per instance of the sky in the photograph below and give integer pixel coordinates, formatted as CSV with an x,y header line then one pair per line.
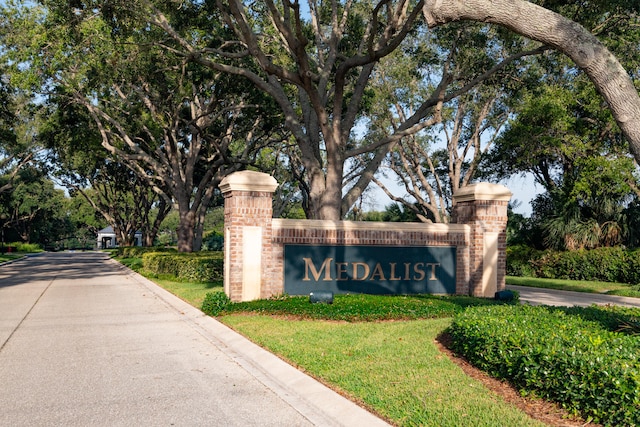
x,y
524,191
523,188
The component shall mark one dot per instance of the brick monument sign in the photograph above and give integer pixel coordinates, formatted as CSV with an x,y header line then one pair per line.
x,y
265,257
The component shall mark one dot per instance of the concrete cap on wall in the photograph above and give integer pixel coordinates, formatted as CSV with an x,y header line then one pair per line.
x,y
483,191
248,181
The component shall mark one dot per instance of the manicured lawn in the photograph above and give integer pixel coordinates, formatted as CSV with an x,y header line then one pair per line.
x,y
191,292
393,368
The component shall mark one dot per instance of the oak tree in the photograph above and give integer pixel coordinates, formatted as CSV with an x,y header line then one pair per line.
x,y
317,63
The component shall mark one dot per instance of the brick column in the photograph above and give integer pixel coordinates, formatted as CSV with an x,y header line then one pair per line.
x,y
483,207
247,232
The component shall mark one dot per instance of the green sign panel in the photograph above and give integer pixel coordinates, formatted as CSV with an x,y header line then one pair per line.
x,y
369,269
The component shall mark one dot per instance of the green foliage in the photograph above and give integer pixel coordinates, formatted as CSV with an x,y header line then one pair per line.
x,y
520,259
23,247
28,247
34,209
603,264
138,251
115,104
213,241
562,135
617,264
198,266
567,356
611,318
214,303
631,326
360,308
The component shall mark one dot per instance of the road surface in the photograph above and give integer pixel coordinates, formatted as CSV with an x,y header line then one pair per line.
x,y
86,342
539,296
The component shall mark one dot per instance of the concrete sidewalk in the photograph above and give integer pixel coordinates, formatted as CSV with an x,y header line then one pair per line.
x,y
86,342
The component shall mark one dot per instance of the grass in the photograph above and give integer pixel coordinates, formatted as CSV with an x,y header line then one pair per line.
x,y
393,368
621,289
191,292
7,257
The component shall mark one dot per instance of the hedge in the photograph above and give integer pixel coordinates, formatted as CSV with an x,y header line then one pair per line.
x,y
520,259
197,266
23,247
568,356
139,251
603,264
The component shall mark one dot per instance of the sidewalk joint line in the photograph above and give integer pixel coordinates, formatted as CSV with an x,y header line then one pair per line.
x,y
26,315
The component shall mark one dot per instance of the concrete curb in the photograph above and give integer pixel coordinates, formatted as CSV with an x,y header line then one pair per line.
x,y
315,401
11,261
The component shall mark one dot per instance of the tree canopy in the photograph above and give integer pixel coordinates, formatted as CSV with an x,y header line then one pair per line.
x,y
327,92
178,126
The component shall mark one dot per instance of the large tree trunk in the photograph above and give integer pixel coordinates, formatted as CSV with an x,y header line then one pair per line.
x,y
186,232
568,37
331,199
186,224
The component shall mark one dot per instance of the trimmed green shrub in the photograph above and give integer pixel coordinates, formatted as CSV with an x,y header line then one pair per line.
x,y
202,269
196,267
603,264
214,303
611,318
139,251
520,260
562,355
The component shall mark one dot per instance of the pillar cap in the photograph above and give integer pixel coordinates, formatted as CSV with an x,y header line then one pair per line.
x,y
248,181
483,191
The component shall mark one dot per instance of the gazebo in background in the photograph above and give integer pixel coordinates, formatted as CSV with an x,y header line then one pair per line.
x,y
107,238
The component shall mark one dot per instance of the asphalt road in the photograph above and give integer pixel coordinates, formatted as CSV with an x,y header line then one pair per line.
x,y
539,296
85,342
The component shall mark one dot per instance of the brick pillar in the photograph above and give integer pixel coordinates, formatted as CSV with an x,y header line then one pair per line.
x,y
247,232
483,207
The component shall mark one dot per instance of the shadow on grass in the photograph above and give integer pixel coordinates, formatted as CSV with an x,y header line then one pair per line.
x,y
218,284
